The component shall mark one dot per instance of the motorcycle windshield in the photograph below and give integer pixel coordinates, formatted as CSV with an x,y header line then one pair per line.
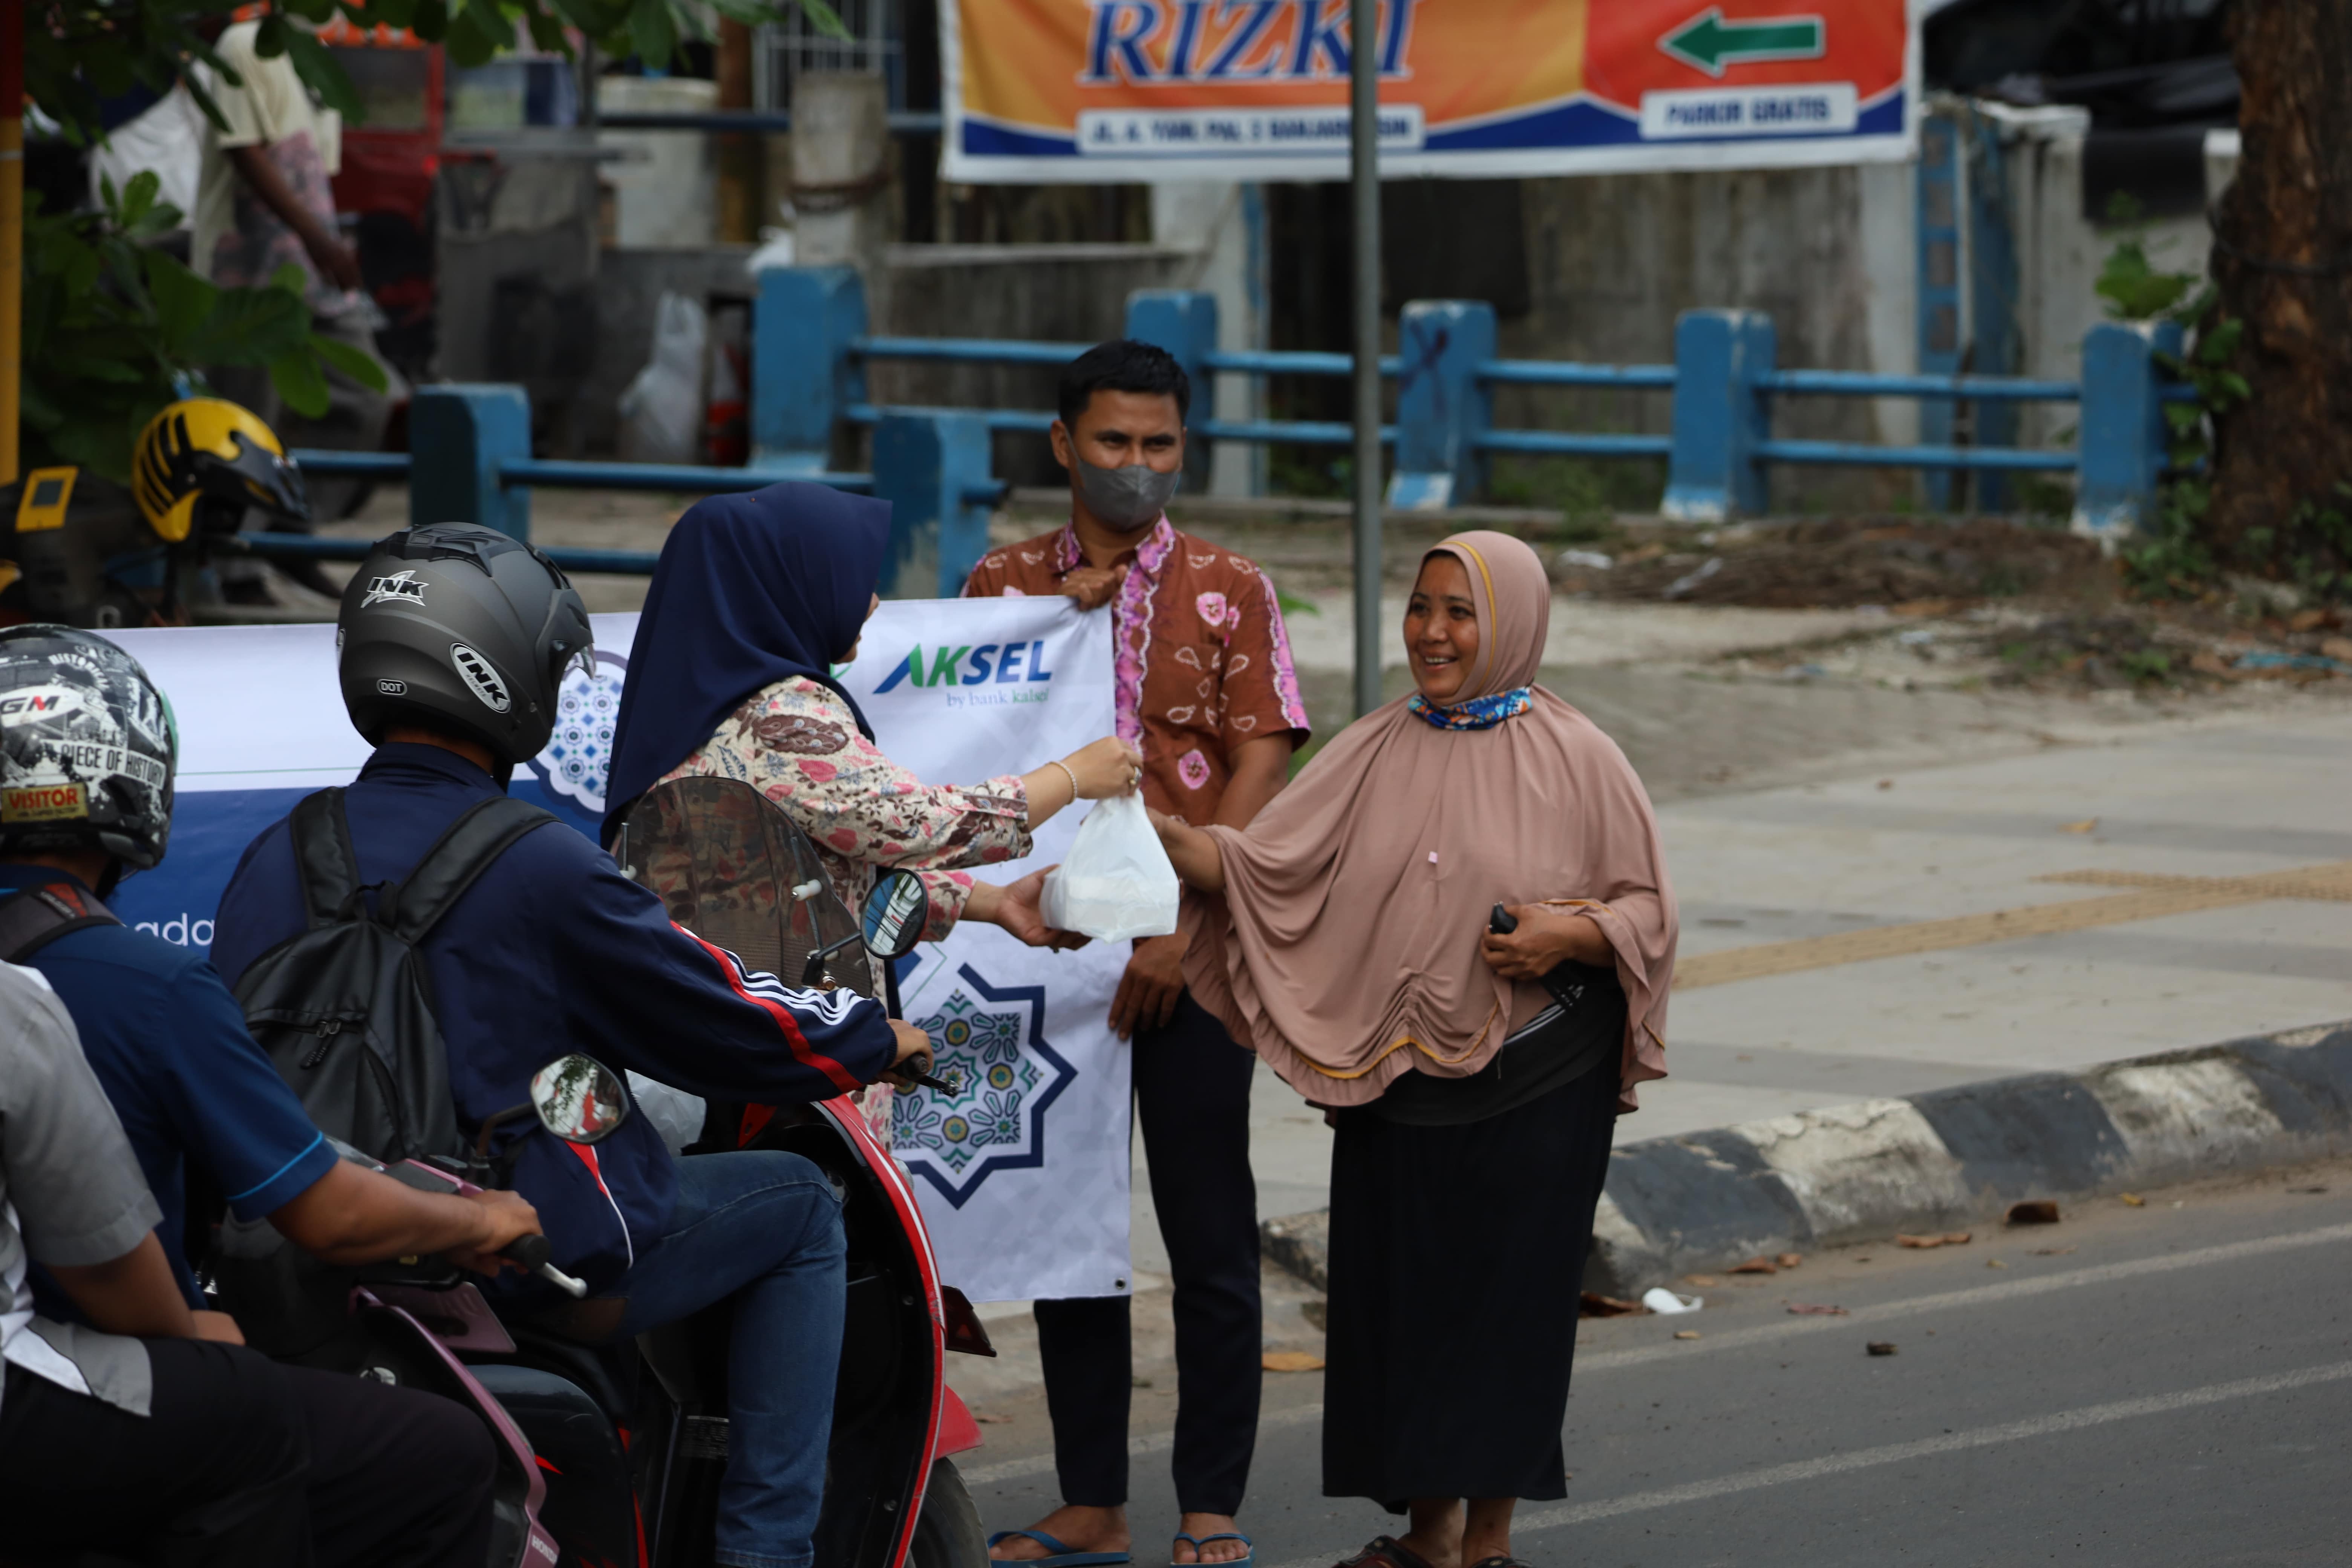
x,y
735,871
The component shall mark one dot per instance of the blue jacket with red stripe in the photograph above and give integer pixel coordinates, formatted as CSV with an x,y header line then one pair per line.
x,y
552,950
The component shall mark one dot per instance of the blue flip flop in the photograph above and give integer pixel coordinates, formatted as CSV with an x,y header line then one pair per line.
x,y
1063,1555
1200,1542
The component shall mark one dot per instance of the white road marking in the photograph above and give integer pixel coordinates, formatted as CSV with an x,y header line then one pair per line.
x,y
1927,1447
1981,1295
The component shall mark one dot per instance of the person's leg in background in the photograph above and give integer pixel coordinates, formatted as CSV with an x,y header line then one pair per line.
x,y
1191,1096
764,1227
399,1478
213,1477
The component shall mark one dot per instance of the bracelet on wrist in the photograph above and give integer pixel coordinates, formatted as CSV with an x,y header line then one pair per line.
x,y
1067,773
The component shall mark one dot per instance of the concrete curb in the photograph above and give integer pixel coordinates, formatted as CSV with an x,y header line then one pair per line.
x,y
1949,1157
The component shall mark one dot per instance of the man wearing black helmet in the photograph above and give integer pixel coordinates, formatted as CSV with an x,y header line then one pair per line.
x,y
86,757
453,641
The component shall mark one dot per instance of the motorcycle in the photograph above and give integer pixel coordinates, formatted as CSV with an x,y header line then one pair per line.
x,y
626,1444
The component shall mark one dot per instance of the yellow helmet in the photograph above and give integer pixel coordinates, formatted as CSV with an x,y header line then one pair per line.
x,y
202,447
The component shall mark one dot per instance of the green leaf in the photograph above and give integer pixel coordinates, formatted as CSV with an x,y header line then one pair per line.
x,y
301,381
478,33
137,197
825,19
2220,342
340,355
651,31
271,38
546,32
2183,416
102,448
290,279
249,326
182,300
318,66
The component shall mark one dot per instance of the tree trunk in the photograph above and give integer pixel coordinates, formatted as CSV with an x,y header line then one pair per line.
x,y
2282,259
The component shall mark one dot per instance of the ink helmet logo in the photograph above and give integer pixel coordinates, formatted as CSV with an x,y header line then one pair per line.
x,y
480,677
402,586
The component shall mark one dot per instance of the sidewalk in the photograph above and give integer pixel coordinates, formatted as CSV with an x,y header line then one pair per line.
x,y
2225,797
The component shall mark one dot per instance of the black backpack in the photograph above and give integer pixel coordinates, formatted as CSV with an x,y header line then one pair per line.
x,y
345,1010
345,1007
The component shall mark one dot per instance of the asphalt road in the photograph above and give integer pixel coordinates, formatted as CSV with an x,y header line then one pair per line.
x,y
2162,1384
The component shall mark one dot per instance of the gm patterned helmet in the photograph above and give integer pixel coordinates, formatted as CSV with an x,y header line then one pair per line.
x,y
205,448
87,748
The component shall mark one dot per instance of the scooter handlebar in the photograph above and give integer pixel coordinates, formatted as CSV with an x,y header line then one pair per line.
x,y
533,1253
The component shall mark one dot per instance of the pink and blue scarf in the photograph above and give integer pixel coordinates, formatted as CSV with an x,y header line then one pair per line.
x,y
1478,713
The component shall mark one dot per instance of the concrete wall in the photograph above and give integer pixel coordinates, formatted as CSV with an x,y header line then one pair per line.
x,y
1071,293
2061,251
1826,252
1053,293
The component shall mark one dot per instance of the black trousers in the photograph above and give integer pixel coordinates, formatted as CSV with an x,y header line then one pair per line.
x,y
243,1462
1191,1100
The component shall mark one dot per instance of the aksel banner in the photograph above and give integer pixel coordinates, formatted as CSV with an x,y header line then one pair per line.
x,y
1089,90
1024,1171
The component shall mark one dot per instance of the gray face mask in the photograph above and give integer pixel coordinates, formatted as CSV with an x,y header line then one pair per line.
x,y
1126,498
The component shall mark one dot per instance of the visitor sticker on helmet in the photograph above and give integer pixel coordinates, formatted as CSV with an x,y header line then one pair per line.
x,y
86,747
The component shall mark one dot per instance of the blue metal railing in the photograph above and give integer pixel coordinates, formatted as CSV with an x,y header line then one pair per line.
x,y
811,350
473,460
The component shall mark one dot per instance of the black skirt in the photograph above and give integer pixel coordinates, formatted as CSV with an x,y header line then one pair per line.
x,y
1457,1254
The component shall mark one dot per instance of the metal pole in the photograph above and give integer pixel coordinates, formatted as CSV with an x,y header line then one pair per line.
x,y
1364,182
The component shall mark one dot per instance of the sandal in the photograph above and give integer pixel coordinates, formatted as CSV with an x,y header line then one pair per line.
x,y
1062,1554
1200,1542
1386,1552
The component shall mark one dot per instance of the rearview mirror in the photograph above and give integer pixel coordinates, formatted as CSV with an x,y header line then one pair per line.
x,y
896,913
579,1098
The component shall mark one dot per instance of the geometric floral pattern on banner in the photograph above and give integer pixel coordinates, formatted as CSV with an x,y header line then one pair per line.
x,y
991,1043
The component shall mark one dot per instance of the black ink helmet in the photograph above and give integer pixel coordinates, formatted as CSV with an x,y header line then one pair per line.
x,y
89,748
459,628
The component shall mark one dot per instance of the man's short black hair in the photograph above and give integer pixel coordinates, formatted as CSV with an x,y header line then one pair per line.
x,y
1122,365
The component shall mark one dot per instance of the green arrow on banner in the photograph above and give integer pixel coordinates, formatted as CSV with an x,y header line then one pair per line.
x,y
1710,43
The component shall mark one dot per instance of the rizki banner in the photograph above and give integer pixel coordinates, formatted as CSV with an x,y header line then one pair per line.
x,y
1257,89
1024,1171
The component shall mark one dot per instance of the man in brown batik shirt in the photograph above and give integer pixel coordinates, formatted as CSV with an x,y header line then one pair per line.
x,y
1205,688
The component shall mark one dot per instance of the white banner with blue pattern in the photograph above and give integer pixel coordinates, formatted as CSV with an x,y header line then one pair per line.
x,y
1024,1171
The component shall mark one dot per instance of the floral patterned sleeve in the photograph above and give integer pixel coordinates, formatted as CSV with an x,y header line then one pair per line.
x,y
797,744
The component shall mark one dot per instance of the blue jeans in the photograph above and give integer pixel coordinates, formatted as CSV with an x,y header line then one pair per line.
x,y
763,1227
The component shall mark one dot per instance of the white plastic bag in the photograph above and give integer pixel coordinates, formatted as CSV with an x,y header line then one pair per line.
x,y
1116,883
661,412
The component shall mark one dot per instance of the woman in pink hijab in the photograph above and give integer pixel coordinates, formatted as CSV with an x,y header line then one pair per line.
x,y
1474,1077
